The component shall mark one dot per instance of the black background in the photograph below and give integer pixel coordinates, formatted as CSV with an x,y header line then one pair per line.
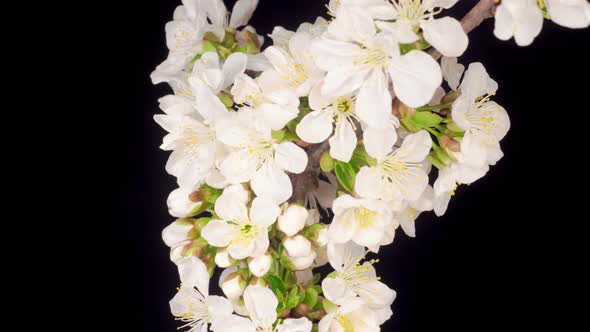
x,y
85,186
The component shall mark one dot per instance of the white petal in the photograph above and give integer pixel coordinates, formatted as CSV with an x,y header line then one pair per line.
x,y
272,182
264,212
290,157
218,233
503,24
452,71
368,183
176,232
343,81
233,66
528,25
573,14
373,104
315,127
446,4
219,307
231,205
415,147
415,76
344,141
295,325
446,35
336,290
261,304
477,82
277,115
242,12
341,229
330,54
379,142
193,273
377,293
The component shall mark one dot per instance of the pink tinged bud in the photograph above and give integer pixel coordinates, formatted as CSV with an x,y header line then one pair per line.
x,y
297,246
450,143
293,220
260,265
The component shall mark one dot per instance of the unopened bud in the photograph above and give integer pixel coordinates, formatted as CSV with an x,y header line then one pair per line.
x,y
301,310
181,206
293,220
317,315
450,143
222,258
233,286
177,232
260,265
286,313
302,263
297,246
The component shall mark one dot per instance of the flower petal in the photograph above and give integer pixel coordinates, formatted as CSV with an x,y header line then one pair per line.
x,y
272,182
193,273
264,212
315,127
290,157
218,233
415,76
446,35
373,103
242,12
344,141
261,304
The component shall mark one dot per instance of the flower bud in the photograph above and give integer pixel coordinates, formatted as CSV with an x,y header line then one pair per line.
x,y
260,265
327,162
177,232
297,246
302,263
222,258
293,220
233,286
301,310
321,239
180,205
450,143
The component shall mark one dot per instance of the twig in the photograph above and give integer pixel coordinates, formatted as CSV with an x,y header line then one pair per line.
x,y
480,12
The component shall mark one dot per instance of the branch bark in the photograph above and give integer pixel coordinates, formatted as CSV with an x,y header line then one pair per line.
x,y
308,179
479,13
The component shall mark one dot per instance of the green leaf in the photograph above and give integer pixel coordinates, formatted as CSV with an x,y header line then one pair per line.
x,y
346,175
276,284
426,119
292,299
327,162
311,297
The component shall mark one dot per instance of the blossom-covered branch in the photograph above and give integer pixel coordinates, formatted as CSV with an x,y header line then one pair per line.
x,y
316,149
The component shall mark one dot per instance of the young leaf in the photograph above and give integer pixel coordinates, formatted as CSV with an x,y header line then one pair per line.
x,y
276,284
426,119
346,175
311,297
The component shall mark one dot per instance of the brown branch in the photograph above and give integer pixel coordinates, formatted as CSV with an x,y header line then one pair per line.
x,y
307,180
479,13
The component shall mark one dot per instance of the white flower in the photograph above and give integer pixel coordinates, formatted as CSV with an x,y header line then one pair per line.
x,y
297,246
179,204
257,157
521,19
399,175
244,234
574,14
407,217
209,71
353,315
484,121
222,258
192,304
261,305
366,61
445,34
318,125
294,68
281,36
277,106
191,137
352,278
360,220
293,220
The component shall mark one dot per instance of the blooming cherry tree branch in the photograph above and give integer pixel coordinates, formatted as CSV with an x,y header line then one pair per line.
x,y
315,149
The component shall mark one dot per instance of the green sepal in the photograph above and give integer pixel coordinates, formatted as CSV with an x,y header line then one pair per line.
x,y
425,119
311,297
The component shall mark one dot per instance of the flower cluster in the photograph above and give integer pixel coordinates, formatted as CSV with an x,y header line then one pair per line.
x,y
314,150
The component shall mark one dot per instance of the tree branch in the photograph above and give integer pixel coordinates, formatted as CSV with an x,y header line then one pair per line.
x,y
480,12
